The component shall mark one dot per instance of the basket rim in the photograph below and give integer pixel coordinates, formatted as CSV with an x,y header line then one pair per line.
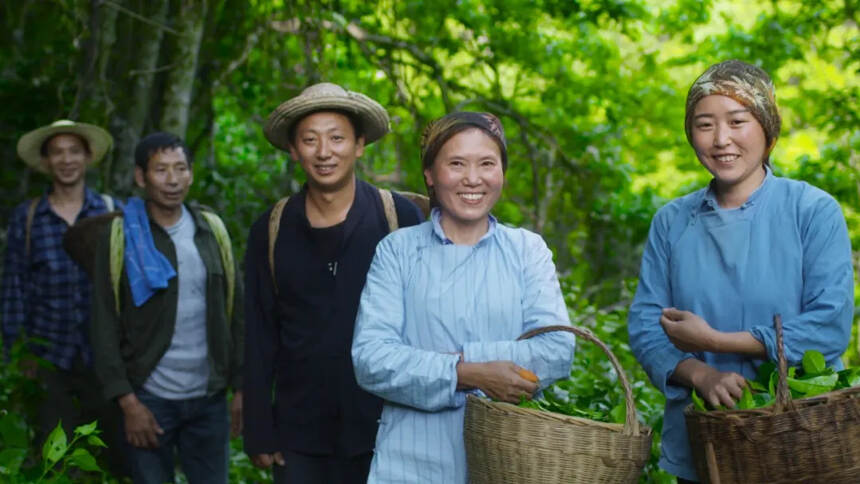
x,y
631,421
644,430
834,396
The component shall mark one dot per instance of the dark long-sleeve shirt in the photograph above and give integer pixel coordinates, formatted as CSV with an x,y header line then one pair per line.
x,y
128,346
45,294
299,339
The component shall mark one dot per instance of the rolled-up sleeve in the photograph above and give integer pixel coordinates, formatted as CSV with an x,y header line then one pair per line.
x,y
548,355
652,348
827,306
384,364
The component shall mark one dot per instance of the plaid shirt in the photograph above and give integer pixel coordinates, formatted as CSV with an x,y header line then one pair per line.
x,y
47,295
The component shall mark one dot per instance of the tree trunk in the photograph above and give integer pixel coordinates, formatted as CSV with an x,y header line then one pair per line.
x,y
128,124
180,81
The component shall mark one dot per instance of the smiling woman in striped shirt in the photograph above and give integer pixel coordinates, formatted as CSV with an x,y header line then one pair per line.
x,y
444,303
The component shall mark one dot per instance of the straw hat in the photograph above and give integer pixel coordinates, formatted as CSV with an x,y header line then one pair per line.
x,y
30,145
321,97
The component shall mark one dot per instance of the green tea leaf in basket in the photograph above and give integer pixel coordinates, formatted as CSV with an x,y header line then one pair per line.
x,y
813,386
746,401
618,413
526,403
813,362
772,382
698,403
849,377
762,399
756,386
764,371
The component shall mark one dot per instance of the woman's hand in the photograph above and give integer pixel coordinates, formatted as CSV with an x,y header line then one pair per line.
x,y
689,332
500,380
716,387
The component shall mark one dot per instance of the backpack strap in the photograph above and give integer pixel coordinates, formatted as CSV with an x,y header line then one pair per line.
x,y
225,247
109,203
28,227
278,209
117,252
274,227
388,208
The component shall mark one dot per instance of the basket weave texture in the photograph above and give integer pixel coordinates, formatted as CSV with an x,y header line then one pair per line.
x,y
509,444
815,439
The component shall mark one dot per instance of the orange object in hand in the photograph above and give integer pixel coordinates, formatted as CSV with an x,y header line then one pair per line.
x,y
527,375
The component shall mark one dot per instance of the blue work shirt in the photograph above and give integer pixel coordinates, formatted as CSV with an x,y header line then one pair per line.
x,y
45,294
785,251
426,300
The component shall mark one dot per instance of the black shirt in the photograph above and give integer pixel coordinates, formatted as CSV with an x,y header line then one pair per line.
x,y
300,337
327,241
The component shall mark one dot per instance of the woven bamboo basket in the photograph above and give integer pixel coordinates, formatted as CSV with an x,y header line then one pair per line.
x,y
815,439
506,444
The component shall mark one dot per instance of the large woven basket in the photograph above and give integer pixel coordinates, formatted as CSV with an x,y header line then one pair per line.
x,y
815,439
508,444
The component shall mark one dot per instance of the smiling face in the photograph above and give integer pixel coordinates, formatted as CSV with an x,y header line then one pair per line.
x,y
326,146
730,143
166,179
467,179
66,158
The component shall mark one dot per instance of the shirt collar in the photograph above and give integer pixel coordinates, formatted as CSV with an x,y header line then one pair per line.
x,y
195,211
92,200
709,199
436,219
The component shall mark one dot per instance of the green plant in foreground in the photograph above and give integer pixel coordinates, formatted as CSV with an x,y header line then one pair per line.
x,y
59,455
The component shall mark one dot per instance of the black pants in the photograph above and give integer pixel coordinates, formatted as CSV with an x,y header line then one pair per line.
x,y
313,469
74,397
681,480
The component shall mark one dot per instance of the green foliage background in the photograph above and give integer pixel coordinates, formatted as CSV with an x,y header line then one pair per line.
x,y
591,93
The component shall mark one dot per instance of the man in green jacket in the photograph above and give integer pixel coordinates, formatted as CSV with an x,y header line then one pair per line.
x,y
167,332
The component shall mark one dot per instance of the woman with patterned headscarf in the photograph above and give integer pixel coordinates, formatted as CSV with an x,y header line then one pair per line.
x,y
444,303
720,262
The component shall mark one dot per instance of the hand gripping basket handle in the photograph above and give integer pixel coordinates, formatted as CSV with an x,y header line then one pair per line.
x,y
631,424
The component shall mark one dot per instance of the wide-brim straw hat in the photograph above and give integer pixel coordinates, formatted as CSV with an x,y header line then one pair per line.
x,y
321,97
30,145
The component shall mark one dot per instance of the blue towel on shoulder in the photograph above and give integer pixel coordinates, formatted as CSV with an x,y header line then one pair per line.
x,y
148,269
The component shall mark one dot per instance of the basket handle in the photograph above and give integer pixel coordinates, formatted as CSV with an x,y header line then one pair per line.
x,y
783,394
631,424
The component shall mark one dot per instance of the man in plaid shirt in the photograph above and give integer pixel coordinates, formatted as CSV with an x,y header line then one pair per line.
x,y
44,295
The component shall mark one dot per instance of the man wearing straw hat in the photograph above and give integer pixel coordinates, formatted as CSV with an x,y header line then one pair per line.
x,y
44,295
306,264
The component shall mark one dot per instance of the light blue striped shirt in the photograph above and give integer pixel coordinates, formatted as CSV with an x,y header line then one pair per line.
x,y
427,299
786,250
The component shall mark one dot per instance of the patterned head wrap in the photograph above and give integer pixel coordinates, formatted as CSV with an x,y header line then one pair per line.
x,y
745,83
438,132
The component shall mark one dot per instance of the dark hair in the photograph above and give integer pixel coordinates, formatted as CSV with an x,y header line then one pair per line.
x,y
43,150
357,128
156,142
433,150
